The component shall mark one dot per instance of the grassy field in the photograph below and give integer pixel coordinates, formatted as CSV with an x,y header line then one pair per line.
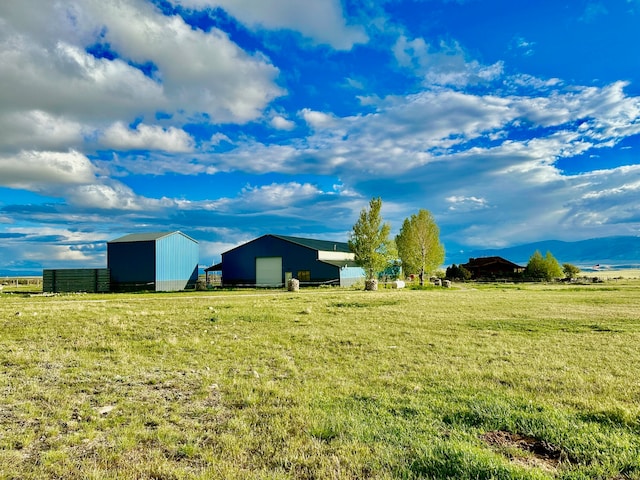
x,y
494,381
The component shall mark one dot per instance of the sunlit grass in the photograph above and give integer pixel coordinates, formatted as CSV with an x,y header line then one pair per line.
x,y
322,383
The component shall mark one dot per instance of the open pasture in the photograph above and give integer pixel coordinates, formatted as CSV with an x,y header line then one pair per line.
x,y
495,381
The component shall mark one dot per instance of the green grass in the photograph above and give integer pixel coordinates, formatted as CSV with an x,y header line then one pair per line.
x,y
323,383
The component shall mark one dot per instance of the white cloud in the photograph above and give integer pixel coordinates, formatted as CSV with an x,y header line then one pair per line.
x,y
466,203
57,253
317,119
444,64
436,127
32,170
39,130
425,147
218,138
409,52
280,123
46,66
113,195
523,46
320,20
66,81
200,72
267,198
147,137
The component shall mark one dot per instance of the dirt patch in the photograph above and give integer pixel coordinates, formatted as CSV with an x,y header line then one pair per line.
x,y
526,450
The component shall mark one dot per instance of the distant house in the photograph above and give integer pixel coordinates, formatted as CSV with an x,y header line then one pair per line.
x,y
271,260
164,261
492,267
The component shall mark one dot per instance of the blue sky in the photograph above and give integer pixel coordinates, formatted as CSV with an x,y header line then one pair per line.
x,y
511,122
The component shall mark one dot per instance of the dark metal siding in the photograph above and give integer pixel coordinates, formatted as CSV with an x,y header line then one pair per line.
x,y
239,264
92,280
132,265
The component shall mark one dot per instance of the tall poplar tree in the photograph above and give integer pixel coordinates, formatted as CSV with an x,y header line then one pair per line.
x,y
369,240
419,246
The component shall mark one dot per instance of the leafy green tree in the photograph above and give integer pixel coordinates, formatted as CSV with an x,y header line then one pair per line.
x,y
369,240
543,268
554,270
419,246
536,267
457,272
570,271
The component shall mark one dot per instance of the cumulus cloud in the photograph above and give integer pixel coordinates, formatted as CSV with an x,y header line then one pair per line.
x,y
115,196
37,129
32,170
65,80
317,119
320,20
47,66
200,71
280,123
147,137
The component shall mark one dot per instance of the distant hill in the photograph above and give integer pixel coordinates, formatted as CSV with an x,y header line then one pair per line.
x,y
620,252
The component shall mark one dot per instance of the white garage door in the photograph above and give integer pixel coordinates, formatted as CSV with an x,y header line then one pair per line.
x,y
269,271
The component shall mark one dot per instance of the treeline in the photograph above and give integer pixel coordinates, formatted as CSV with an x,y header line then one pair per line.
x,y
539,268
417,250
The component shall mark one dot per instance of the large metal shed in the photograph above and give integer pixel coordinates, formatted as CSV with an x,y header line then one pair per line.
x,y
164,261
271,260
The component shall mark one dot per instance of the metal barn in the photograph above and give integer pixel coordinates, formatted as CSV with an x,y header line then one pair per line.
x,y
166,261
271,260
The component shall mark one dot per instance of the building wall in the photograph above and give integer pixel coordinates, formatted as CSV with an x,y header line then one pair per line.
x,y
351,275
324,255
239,264
132,265
176,263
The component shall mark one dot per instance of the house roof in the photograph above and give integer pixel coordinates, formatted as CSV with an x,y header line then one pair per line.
x,y
324,245
486,261
147,237
214,268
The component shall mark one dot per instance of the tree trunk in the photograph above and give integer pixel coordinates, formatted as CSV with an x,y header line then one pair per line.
x,y
422,277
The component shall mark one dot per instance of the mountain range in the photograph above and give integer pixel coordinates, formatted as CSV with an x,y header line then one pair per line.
x,y
613,252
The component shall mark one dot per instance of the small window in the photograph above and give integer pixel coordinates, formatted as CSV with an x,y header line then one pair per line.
x,y
304,275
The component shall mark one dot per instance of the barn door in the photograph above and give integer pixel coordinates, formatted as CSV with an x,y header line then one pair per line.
x,y
269,271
